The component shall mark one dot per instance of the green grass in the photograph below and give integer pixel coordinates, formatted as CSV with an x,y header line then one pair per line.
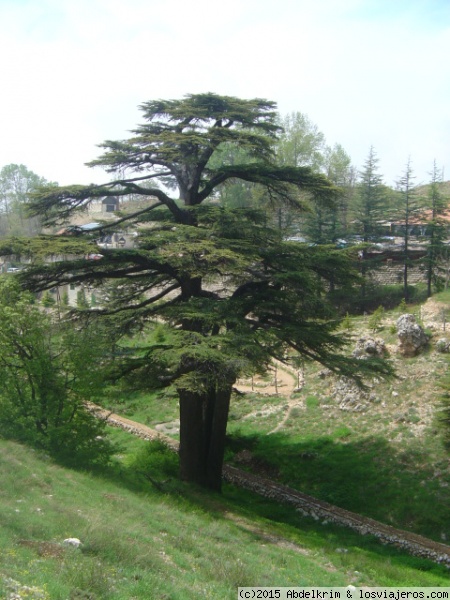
x,y
366,476
137,543
179,543
443,296
150,409
387,462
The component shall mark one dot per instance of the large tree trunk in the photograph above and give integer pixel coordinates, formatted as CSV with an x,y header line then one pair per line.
x,y
203,424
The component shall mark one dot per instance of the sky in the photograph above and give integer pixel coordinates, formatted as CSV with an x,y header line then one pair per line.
x,y
366,72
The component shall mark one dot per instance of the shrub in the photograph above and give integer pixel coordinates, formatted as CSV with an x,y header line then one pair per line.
x,y
47,372
155,460
347,322
376,318
47,300
402,307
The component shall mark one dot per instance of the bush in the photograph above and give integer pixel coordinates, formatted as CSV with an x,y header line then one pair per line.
x,y
47,372
347,322
376,319
47,300
155,460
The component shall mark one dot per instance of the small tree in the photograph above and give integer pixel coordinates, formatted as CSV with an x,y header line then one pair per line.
x,y
347,322
47,300
376,318
82,301
402,307
65,300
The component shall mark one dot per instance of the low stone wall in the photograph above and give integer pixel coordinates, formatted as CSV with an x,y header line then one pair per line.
x,y
392,273
328,513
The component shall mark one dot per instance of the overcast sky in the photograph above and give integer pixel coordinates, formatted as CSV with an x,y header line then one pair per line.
x,y
366,72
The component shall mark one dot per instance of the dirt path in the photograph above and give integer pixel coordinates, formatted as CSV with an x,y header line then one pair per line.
x,y
307,505
284,381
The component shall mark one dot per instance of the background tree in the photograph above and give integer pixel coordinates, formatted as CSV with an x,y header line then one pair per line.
x,y
16,183
408,210
234,193
368,210
340,171
299,144
370,201
222,288
436,205
326,224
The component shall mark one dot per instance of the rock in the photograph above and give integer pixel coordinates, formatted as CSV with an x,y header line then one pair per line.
x,y
367,347
411,336
351,397
443,345
244,457
74,542
324,373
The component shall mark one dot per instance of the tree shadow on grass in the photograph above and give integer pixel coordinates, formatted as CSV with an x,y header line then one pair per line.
x,y
340,543
368,477
344,547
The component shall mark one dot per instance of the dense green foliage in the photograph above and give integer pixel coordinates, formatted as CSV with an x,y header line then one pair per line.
x,y
47,372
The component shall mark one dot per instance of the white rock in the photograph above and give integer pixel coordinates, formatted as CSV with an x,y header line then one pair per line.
x,y
75,542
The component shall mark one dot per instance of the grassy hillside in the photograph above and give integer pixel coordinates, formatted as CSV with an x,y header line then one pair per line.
x,y
146,535
139,542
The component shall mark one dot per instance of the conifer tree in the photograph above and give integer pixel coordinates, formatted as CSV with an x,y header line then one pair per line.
x,y
368,210
370,200
222,288
436,205
409,207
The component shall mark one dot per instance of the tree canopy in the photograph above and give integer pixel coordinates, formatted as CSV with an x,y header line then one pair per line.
x,y
225,291
16,182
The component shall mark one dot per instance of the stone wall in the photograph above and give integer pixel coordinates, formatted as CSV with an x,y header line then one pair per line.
x,y
391,273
